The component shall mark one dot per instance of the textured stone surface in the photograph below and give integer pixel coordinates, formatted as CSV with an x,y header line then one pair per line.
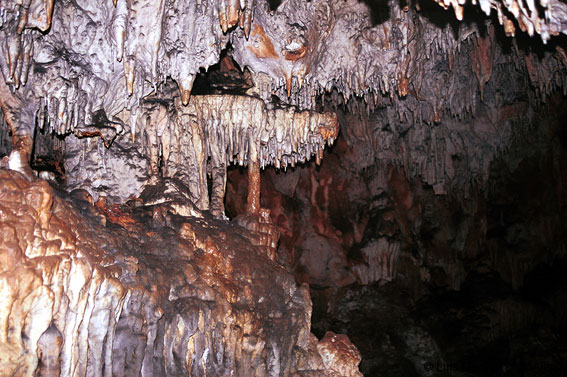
x,y
97,62
123,72
152,292
187,142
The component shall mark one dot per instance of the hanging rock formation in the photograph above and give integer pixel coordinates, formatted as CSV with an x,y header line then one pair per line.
x,y
224,129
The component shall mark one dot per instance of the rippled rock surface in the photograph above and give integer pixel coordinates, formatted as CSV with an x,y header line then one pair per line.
x,y
97,290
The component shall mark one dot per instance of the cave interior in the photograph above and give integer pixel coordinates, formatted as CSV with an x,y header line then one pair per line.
x,y
283,188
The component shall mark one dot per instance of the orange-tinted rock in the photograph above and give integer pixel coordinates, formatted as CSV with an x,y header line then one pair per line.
x,y
81,298
339,354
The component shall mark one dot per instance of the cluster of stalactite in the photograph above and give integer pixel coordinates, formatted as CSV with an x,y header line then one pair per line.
x,y
546,18
78,89
411,60
397,69
426,97
75,68
213,131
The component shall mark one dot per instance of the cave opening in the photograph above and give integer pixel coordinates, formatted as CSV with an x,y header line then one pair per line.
x,y
224,77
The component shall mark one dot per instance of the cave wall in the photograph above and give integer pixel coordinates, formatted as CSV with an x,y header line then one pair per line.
x,y
423,194
411,236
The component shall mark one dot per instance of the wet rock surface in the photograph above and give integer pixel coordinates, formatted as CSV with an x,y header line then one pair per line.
x,y
145,289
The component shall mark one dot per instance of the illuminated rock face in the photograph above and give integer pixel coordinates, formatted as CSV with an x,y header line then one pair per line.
x,y
123,70
76,67
93,290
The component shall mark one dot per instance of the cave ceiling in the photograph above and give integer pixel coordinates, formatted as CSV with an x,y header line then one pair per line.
x,y
126,69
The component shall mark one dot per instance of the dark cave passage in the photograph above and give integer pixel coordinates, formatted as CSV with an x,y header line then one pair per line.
x,y
479,284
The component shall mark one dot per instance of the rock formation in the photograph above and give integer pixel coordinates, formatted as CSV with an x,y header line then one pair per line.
x,y
123,121
146,290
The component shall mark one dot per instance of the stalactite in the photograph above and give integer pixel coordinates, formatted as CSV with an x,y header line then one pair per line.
x,y
541,17
150,42
380,259
229,129
81,298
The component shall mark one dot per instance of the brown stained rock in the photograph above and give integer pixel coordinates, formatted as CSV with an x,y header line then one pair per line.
x,y
265,49
253,200
482,56
264,232
11,252
189,296
339,354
